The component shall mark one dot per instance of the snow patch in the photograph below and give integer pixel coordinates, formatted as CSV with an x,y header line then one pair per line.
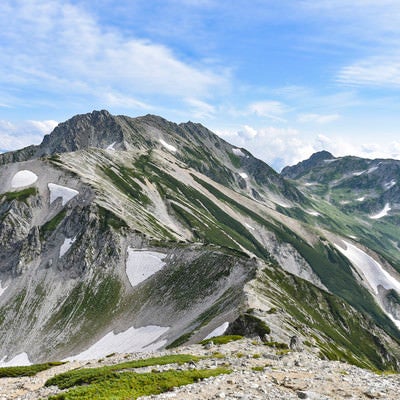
x,y
312,212
373,272
311,183
130,341
390,184
19,360
250,227
218,331
23,178
331,160
243,175
361,198
142,264
358,173
66,245
382,213
169,147
372,169
111,146
64,192
2,289
238,152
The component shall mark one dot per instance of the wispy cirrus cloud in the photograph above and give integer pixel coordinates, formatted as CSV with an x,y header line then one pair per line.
x,y
374,71
269,109
200,109
318,118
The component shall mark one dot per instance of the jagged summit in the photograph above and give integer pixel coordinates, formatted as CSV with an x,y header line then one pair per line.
x,y
192,143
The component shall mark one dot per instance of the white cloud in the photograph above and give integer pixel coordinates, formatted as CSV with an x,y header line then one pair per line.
x,y
69,50
43,126
200,109
123,101
280,147
247,132
373,71
268,109
16,136
318,118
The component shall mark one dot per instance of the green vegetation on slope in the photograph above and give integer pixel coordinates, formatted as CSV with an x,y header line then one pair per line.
x,y
125,180
224,339
90,306
129,385
29,370
115,382
347,333
21,195
108,218
333,268
215,225
87,375
51,225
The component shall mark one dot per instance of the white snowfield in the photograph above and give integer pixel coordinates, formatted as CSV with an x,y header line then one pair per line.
x,y
243,175
367,171
23,178
141,264
218,331
238,152
2,289
130,341
19,360
372,169
66,245
332,160
381,213
169,147
390,184
371,270
111,146
64,192
312,212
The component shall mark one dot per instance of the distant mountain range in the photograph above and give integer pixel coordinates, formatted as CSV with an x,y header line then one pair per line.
x,y
131,234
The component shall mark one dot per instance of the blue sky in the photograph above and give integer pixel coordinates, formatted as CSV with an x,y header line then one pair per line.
x,y
282,79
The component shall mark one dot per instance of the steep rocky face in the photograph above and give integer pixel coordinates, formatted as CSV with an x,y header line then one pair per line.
x,y
134,225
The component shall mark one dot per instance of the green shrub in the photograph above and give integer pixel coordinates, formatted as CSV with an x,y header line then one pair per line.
x,y
21,195
87,375
130,385
222,339
29,370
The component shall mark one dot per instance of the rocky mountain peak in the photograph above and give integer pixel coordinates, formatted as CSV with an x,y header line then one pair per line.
x,y
95,129
315,160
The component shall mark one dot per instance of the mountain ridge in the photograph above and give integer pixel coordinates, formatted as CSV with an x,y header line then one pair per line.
x,y
217,235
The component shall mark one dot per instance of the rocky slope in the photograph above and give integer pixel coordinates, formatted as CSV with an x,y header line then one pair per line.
x,y
131,234
257,373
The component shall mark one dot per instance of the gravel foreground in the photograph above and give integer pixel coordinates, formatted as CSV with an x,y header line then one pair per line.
x,y
258,373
